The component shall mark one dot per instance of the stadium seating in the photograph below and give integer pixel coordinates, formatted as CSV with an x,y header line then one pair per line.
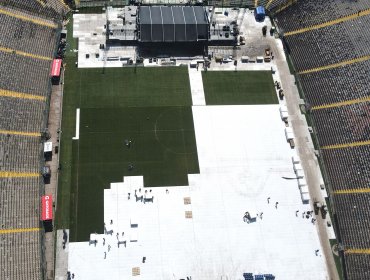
x,y
356,264
13,67
276,4
51,9
328,45
354,220
26,36
307,13
348,167
21,114
336,84
344,123
20,252
23,72
320,47
19,154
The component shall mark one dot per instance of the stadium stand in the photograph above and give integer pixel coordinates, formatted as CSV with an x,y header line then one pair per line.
x,y
355,219
22,35
36,71
21,114
337,84
275,4
20,251
315,48
348,167
27,157
49,9
331,34
343,124
325,45
30,32
308,13
357,263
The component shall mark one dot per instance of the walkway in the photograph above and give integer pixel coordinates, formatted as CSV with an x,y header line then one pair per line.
x,y
305,150
54,125
61,262
196,86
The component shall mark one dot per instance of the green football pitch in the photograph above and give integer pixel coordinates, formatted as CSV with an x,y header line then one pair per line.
x,y
151,107
239,88
162,149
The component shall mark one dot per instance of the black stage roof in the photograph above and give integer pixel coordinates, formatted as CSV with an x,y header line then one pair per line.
x,y
173,24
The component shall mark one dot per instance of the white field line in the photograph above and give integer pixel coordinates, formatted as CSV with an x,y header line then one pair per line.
x,y
77,136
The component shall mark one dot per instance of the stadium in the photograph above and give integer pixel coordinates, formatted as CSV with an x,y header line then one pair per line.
x,y
185,139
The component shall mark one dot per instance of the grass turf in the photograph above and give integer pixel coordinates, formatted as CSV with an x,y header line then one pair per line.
x,y
128,93
239,88
130,87
163,150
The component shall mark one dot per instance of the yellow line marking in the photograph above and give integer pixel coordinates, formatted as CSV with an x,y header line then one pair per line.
x,y
352,191
14,94
346,145
41,3
255,3
64,4
17,230
25,18
22,133
12,174
335,65
289,3
340,104
329,23
358,251
269,3
7,50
